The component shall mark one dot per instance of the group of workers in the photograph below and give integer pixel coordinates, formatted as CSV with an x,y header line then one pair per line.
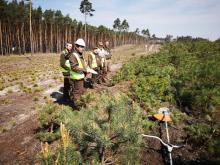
x,y
79,67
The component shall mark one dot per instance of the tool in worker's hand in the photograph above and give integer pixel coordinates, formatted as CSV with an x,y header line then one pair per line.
x,y
89,70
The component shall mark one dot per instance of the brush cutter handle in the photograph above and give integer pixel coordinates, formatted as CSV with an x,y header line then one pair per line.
x,y
169,146
176,146
155,137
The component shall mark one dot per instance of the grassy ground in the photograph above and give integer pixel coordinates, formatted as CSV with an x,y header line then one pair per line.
x,y
28,71
25,73
125,53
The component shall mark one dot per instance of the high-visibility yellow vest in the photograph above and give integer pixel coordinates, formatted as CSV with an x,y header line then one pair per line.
x,y
67,64
76,75
94,62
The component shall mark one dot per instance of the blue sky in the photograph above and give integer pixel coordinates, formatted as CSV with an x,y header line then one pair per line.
x,y
198,18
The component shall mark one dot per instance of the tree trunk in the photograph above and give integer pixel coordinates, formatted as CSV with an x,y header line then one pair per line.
x,y
74,38
1,46
45,36
65,35
51,37
40,37
115,41
9,45
23,39
34,39
57,35
19,42
69,34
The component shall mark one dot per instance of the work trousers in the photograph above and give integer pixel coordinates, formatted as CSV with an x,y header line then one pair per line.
x,y
103,74
95,77
66,88
77,89
108,65
100,77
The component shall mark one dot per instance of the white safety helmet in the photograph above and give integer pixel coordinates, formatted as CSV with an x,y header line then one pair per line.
x,y
80,42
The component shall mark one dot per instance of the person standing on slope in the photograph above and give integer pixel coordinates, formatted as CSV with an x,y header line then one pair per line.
x,y
102,54
78,71
108,56
65,69
94,62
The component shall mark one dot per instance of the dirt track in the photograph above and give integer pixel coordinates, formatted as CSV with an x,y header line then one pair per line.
x,y
17,142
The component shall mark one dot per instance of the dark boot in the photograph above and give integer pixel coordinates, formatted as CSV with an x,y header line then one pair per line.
x,y
66,89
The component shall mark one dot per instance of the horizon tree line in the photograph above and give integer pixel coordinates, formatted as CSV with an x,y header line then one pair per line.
x,y
51,30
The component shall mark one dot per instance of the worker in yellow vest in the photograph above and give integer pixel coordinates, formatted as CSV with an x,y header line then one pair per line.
x,y
102,54
108,56
65,69
78,71
94,62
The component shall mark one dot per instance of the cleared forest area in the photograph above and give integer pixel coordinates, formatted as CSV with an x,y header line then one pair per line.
x,y
28,82
38,126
